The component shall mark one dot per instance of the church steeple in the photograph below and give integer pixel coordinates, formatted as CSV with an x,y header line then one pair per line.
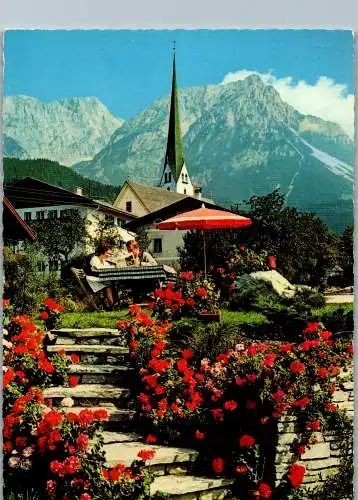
x,y
174,156
175,176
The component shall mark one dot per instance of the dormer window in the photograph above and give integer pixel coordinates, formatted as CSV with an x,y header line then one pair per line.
x,y
170,177
128,206
166,177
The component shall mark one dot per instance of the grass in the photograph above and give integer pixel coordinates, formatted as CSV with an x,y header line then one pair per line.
x,y
330,308
109,319
92,319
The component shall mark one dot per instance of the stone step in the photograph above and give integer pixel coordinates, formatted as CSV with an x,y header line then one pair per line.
x,y
89,395
167,459
86,332
102,374
191,487
94,354
91,336
120,437
118,418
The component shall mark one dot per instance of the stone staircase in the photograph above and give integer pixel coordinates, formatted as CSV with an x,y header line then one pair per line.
x,y
104,382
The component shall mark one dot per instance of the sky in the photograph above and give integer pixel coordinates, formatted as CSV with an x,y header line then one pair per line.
x,y
128,70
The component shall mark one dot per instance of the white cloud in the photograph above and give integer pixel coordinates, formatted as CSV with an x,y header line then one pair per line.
x,y
326,99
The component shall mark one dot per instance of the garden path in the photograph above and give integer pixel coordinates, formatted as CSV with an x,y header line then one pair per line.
x,y
104,381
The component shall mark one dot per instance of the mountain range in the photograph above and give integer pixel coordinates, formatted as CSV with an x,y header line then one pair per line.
x,y
240,139
67,131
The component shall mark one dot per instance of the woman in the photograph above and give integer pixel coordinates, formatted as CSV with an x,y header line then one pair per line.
x,y
101,260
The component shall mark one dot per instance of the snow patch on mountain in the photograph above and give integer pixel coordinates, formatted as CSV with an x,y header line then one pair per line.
x,y
336,166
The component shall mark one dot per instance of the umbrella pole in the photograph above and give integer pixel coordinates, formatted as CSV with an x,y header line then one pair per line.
x,y
204,254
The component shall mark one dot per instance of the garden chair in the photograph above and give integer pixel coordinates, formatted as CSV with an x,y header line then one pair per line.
x,y
80,276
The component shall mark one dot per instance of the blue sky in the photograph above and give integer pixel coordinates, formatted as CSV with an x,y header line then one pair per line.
x,y
128,70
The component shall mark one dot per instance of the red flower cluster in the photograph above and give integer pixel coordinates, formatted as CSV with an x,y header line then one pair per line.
x,y
296,475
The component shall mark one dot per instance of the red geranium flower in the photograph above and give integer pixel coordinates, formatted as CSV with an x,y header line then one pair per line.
x,y
73,381
43,315
146,454
312,327
82,442
187,353
151,439
218,465
296,475
241,469
286,347
314,425
302,403
199,435
251,377
75,359
297,367
230,405
202,292
85,496
101,414
265,490
246,441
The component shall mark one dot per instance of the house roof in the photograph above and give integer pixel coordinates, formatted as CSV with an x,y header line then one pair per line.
x,y
184,204
14,228
30,193
154,198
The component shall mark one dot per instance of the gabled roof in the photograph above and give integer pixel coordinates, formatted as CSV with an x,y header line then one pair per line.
x,y
174,156
154,198
30,193
179,206
14,228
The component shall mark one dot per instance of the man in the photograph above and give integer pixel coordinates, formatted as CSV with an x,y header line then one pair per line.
x,y
137,257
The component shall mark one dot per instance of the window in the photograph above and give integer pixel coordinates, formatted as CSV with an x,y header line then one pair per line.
x,y
157,245
184,191
109,220
27,216
41,266
54,265
52,214
165,177
128,206
170,177
40,215
65,214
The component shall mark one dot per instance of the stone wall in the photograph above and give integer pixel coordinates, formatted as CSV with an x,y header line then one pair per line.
x,y
322,458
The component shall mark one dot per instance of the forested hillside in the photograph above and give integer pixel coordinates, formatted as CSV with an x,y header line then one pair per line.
x,y
58,175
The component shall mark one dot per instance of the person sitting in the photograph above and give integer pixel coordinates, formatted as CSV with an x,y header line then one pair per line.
x,y
101,260
137,257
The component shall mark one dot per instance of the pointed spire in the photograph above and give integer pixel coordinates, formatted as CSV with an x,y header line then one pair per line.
x,y
174,156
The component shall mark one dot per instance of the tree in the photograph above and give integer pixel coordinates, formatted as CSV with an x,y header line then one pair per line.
x,y
303,245
346,259
61,238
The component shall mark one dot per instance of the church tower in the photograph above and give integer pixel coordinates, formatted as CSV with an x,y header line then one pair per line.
x,y
175,176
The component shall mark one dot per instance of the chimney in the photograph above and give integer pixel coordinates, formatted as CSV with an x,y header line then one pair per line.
x,y
197,192
79,191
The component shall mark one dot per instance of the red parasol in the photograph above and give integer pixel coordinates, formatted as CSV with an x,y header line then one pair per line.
x,y
205,219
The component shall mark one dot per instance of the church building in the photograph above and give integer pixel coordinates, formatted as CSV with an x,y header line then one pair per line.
x,y
174,194
175,175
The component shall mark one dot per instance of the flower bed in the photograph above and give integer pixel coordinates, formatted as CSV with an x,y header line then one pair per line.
x,y
229,406
57,454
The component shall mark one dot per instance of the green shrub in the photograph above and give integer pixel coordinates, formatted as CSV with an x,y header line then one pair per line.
x,y
252,294
338,320
24,286
311,298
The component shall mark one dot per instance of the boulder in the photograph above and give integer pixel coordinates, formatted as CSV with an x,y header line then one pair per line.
x,y
280,284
